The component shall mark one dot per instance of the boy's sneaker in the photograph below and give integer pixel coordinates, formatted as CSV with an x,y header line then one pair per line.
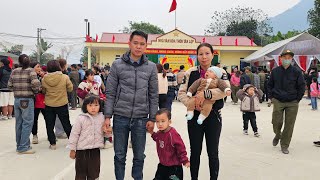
x,y
9,117
53,147
35,139
316,143
107,144
4,117
245,132
30,151
256,134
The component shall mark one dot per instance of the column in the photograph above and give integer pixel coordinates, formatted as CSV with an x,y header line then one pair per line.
x,y
89,57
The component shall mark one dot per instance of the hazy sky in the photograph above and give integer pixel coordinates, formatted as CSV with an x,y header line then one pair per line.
x,y
66,17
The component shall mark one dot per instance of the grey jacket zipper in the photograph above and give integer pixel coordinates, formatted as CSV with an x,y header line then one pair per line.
x,y
135,89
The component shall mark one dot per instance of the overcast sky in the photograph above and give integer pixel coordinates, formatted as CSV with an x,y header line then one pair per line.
x,y
66,17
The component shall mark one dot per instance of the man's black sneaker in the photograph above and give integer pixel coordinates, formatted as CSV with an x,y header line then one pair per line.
x,y
316,143
285,150
275,141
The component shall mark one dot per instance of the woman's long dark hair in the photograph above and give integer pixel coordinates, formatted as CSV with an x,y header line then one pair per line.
x,y
161,70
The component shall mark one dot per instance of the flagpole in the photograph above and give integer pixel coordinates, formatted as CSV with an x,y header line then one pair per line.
x,y
175,19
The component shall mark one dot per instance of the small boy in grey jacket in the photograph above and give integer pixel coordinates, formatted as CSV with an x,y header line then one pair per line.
x,y
249,97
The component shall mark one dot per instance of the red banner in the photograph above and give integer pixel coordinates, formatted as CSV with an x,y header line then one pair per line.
x,y
303,62
170,51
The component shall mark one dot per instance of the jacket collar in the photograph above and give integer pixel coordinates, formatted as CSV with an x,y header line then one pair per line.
x,y
126,58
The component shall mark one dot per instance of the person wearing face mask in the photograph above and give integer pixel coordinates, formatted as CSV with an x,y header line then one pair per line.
x,y
286,88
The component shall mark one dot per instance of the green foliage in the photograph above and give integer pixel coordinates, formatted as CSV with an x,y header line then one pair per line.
x,y
16,49
44,57
84,56
240,21
279,36
245,28
314,19
142,26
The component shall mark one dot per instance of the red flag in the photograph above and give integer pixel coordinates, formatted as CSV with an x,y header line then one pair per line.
x,y
113,38
190,62
236,42
173,6
251,41
164,60
88,38
303,62
220,41
11,61
204,40
96,37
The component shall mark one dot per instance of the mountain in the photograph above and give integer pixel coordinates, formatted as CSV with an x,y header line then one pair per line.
x,y
294,18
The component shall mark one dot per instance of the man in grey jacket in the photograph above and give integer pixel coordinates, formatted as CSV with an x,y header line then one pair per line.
x,y
132,100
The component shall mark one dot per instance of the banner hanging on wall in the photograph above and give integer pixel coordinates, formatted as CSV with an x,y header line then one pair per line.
x,y
176,61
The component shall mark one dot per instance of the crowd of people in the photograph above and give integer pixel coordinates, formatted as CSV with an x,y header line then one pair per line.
x,y
135,94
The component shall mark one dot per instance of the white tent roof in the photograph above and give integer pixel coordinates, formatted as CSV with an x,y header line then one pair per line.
x,y
302,44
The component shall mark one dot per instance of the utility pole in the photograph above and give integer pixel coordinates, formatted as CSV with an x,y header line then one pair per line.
x,y
39,44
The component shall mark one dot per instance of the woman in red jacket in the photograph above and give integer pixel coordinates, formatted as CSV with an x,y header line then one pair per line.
x,y
39,102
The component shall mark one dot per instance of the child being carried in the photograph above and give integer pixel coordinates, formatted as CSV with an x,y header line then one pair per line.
x,y
212,80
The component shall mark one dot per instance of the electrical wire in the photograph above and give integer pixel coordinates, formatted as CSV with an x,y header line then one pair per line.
x,y
24,36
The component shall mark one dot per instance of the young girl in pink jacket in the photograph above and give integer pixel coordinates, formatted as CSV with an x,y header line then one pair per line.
x,y
86,139
314,93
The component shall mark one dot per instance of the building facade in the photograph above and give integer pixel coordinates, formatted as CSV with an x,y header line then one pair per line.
x,y
175,47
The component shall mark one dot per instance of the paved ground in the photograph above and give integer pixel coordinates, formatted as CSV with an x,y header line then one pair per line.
x,y
241,157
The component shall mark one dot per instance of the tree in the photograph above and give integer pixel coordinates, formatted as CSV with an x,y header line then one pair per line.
x,y
16,49
245,28
240,21
279,36
142,26
84,56
44,57
314,19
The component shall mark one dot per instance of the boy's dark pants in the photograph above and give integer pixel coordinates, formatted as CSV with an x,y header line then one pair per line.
x,y
249,116
168,172
291,111
87,164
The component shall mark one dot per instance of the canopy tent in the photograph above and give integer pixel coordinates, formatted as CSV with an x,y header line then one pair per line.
x,y
302,44
305,46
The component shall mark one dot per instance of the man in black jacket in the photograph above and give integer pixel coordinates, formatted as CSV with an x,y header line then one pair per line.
x,y
245,79
286,88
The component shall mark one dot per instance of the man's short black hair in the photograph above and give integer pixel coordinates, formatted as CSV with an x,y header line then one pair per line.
x,y
90,99
74,66
79,65
181,67
166,66
139,33
164,111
